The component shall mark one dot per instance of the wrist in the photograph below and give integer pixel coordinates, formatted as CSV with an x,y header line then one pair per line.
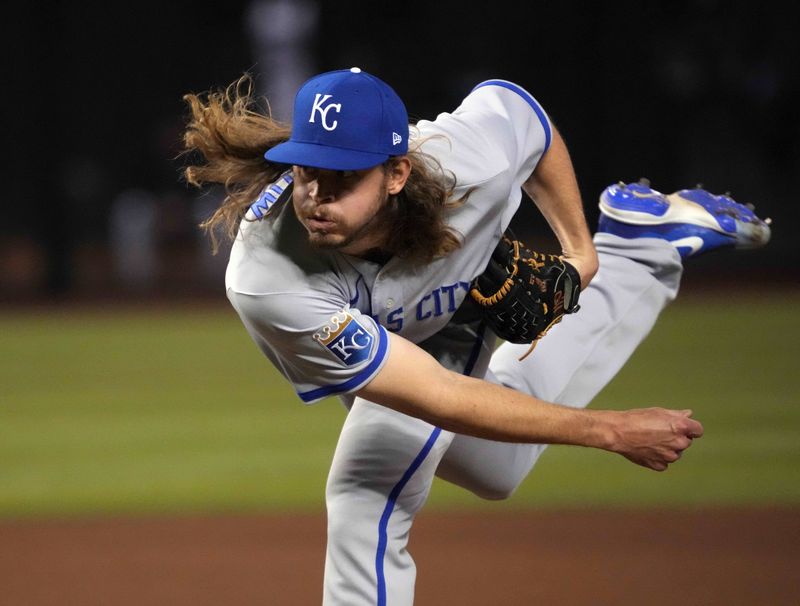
x,y
604,434
585,262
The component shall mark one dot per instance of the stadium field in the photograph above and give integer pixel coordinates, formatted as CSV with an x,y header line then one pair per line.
x,y
140,410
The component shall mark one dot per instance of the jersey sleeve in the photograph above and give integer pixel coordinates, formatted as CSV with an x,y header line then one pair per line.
x,y
321,348
499,128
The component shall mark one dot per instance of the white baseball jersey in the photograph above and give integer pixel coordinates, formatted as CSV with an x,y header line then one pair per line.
x,y
322,317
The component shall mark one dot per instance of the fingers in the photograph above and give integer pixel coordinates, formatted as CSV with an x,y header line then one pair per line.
x,y
669,454
695,429
688,426
675,451
659,436
663,462
682,443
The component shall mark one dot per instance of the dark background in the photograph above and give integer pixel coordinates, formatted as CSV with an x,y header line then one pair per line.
x,y
682,92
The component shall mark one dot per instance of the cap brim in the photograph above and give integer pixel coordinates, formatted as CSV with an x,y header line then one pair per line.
x,y
323,156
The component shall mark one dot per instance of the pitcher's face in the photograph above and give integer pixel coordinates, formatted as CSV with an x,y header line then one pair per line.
x,y
341,209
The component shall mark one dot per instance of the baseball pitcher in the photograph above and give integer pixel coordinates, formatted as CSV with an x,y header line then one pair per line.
x,y
371,261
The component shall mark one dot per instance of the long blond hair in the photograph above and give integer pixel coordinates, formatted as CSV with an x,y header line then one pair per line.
x,y
226,137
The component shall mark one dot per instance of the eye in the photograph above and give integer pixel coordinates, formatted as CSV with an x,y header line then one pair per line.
x,y
346,174
307,173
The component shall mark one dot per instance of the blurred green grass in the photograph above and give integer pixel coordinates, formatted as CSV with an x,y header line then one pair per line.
x,y
137,411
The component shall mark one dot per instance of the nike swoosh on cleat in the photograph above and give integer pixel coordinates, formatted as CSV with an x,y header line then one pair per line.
x,y
694,243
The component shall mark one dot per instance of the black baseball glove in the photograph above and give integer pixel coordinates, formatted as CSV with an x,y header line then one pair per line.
x,y
522,293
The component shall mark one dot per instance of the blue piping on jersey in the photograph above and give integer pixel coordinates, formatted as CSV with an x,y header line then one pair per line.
x,y
476,349
369,293
390,503
355,299
529,99
353,382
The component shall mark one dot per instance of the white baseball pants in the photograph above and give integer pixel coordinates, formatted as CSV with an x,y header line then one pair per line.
x,y
385,461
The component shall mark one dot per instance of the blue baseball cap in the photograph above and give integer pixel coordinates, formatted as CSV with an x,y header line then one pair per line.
x,y
344,120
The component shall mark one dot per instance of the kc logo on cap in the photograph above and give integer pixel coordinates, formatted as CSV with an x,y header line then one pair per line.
x,y
344,120
323,111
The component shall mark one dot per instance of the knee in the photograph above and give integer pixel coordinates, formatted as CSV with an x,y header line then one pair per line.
x,y
344,518
495,491
351,510
340,525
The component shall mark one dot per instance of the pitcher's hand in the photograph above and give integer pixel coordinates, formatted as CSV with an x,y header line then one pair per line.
x,y
654,437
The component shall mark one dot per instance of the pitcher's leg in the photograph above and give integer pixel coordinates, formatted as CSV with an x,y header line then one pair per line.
x,y
379,479
491,470
636,280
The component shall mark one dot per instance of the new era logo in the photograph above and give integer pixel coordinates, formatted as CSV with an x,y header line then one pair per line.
x,y
396,139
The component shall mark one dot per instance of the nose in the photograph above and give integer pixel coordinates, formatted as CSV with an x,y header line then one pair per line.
x,y
322,188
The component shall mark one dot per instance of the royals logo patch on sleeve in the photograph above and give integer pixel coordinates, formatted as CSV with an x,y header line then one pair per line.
x,y
346,338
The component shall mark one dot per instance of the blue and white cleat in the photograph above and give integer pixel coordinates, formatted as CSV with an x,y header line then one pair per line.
x,y
693,220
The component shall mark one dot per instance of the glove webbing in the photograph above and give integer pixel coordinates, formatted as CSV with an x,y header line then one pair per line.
x,y
509,283
503,290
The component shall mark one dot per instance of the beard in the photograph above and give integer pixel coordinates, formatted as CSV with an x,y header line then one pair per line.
x,y
373,229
